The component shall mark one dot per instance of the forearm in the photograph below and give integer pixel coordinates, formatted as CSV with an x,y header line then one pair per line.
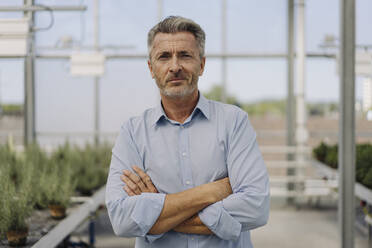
x,y
181,206
193,225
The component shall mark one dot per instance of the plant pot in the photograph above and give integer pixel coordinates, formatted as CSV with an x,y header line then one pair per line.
x,y
57,211
17,238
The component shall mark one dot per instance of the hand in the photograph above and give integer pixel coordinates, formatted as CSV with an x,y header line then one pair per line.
x,y
138,182
193,225
223,188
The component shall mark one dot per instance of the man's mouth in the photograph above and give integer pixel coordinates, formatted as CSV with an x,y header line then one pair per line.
x,y
176,80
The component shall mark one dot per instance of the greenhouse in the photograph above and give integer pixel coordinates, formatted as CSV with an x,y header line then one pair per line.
x,y
169,123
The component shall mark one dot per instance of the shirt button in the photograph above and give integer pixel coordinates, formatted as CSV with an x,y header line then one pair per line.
x,y
188,182
184,154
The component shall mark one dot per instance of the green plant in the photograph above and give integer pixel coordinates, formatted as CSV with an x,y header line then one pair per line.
x,y
15,204
320,152
38,160
367,180
331,157
58,184
363,161
91,167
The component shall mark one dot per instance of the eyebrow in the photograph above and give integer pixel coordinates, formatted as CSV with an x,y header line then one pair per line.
x,y
165,52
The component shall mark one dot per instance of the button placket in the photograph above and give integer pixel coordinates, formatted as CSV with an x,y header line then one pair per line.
x,y
185,158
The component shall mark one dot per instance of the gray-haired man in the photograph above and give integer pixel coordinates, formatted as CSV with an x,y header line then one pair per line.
x,y
187,173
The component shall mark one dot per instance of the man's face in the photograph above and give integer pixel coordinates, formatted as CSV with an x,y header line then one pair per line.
x,y
175,63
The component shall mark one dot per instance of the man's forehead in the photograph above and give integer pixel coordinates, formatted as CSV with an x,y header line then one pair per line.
x,y
166,39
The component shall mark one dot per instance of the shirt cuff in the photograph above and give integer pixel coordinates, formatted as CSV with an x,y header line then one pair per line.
x,y
147,211
219,221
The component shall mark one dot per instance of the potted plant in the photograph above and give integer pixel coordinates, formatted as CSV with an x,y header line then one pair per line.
x,y
15,207
59,187
91,167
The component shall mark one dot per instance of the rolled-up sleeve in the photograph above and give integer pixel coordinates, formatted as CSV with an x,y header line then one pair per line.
x,y
130,216
248,207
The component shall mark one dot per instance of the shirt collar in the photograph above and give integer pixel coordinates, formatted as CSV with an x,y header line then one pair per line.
x,y
202,105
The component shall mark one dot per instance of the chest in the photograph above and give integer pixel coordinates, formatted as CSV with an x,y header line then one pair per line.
x,y
179,157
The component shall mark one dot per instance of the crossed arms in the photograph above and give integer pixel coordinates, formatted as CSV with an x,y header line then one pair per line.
x,y
180,209
225,207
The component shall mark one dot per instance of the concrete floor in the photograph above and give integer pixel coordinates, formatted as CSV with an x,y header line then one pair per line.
x,y
306,227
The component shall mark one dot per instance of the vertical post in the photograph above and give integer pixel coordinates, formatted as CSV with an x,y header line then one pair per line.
x,y
92,232
1,92
223,48
346,152
29,102
290,92
301,132
160,10
96,78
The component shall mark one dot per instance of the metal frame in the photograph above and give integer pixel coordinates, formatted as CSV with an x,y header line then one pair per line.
x,y
346,152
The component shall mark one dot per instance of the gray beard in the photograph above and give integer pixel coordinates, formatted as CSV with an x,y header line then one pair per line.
x,y
184,92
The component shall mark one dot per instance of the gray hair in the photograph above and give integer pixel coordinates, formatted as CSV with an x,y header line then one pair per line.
x,y
175,24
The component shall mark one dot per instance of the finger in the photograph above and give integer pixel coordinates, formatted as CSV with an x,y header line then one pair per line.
x,y
132,186
146,179
137,180
129,192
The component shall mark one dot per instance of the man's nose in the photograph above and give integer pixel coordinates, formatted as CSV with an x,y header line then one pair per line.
x,y
175,65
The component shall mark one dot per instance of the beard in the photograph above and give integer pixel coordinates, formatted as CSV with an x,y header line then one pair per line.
x,y
178,91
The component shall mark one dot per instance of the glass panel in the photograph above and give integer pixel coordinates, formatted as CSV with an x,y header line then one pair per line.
x,y
63,103
11,81
257,26
322,18
257,79
196,10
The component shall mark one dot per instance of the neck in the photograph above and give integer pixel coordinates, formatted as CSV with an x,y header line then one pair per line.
x,y
179,108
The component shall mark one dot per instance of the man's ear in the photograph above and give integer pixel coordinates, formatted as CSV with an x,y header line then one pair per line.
x,y
150,68
202,65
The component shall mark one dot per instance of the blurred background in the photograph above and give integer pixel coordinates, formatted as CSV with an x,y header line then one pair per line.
x,y
71,72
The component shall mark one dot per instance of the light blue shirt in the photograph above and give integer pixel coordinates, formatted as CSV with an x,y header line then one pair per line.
x,y
216,141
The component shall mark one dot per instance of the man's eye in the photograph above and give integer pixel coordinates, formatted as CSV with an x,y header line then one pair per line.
x,y
164,56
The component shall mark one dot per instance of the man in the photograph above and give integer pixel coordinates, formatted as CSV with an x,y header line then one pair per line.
x,y
187,173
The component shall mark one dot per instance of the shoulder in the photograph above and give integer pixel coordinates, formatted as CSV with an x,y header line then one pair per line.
x,y
137,123
228,112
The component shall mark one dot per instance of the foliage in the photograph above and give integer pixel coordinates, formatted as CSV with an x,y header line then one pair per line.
x,y
89,165
215,93
34,178
275,107
37,159
11,109
320,152
269,107
322,108
15,197
58,183
328,154
332,156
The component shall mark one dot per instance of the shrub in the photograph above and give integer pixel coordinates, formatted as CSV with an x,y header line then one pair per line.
x,y
89,165
92,168
331,157
15,204
37,159
320,152
363,161
58,184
